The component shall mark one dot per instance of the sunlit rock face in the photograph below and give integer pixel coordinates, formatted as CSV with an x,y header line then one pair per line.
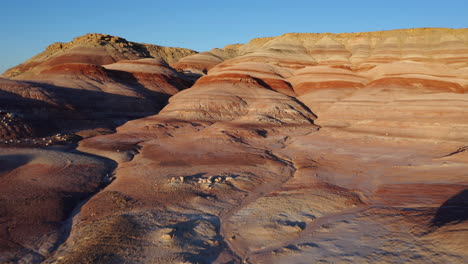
x,y
302,148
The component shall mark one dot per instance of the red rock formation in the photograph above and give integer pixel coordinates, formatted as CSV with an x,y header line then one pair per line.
x,y
299,148
83,83
96,49
199,63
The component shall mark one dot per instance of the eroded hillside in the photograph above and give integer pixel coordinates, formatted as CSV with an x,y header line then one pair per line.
x,y
302,148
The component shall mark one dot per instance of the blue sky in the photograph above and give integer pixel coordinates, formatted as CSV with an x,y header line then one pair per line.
x,y
27,27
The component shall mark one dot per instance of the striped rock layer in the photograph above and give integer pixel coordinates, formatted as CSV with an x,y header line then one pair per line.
x,y
301,148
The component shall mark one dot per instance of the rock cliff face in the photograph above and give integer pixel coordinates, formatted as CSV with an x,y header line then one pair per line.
x,y
301,148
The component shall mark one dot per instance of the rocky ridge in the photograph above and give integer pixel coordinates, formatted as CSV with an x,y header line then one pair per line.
x,y
96,49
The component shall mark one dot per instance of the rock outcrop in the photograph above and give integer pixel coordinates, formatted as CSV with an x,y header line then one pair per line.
x,y
98,49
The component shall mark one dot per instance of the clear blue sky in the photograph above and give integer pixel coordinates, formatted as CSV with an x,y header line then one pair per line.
x,y
28,26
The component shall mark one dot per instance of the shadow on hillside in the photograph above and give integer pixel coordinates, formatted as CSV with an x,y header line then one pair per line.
x,y
11,162
13,101
84,109
453,211
71,109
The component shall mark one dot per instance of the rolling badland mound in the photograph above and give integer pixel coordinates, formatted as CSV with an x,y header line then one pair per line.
x,y
93,81
330,148
96,49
